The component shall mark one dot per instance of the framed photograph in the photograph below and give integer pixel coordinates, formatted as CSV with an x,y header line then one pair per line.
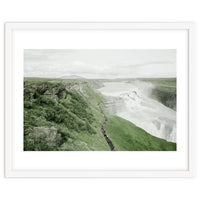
x,y
99,100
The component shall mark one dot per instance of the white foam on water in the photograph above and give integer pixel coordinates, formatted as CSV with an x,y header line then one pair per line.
x,y
132,102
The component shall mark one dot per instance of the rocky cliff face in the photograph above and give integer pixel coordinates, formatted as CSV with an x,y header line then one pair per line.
x,y
50,135
168,98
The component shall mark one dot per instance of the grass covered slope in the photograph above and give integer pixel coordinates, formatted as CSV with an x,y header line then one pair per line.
x,y
58,118
134,138
62,115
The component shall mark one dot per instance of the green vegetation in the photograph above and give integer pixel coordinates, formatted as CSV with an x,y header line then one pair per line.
x,y
49,104
134,138
165,91
62,115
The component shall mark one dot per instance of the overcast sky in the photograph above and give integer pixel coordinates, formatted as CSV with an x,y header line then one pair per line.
x,y
99,63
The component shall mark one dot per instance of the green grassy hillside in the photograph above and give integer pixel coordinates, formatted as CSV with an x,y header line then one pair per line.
x,y
134,138
62,115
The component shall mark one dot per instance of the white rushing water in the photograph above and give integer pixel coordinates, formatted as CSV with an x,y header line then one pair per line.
x,y
132,102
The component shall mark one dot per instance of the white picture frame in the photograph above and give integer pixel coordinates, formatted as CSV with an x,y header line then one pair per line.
x,y
12,27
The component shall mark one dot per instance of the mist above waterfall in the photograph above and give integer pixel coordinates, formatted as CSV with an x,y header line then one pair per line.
x,y
132,101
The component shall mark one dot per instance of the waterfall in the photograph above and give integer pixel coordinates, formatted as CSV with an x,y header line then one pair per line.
x,y
132,101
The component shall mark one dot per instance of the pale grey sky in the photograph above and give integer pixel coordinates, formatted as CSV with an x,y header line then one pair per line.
x,y
55,63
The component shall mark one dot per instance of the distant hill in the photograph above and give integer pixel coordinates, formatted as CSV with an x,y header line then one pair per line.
x,y
71,77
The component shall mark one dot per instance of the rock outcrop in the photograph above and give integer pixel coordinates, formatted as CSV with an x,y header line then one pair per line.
x,y
48,135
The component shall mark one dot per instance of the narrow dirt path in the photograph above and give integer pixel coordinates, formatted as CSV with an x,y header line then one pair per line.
x,y
104,131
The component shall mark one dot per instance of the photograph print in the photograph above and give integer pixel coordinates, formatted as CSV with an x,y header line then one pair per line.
x,y
99,100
